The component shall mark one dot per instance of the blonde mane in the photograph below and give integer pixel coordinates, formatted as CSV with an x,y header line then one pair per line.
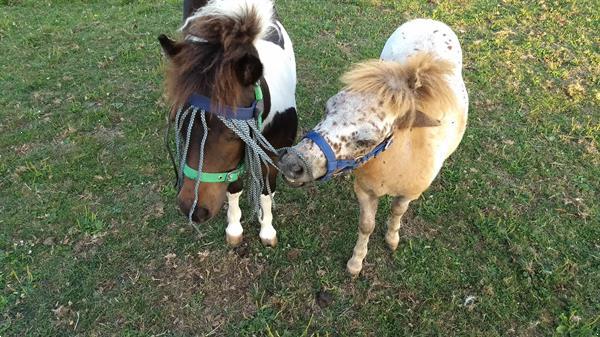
x,y
419,83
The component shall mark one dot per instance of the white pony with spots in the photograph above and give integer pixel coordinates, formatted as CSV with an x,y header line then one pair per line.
x,y
414,96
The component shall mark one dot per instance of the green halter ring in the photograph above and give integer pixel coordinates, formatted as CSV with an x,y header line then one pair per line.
x,y
233,175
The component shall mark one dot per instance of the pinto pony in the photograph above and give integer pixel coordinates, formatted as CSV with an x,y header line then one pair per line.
x,y
234,57
396,121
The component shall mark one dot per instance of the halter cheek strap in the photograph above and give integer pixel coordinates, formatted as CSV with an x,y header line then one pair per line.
x,y
335,166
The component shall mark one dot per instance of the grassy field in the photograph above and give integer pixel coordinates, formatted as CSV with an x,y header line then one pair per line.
x,y
505,243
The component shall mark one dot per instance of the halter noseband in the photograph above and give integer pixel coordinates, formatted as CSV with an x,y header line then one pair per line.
x,y
204,103
335,166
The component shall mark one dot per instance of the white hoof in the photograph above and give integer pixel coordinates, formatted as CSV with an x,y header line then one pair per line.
x,y
392,240
268,236
272,242
234,241
233,234
354,267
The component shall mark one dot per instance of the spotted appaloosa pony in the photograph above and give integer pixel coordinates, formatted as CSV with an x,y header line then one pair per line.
x,y
228,47
415,97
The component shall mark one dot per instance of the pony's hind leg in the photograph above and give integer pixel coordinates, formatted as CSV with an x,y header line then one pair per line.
x,y
268,234
368,209
234,230
399,207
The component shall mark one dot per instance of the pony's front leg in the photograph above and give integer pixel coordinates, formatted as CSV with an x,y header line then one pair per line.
x,y
399,207
234,230
268,234
368,209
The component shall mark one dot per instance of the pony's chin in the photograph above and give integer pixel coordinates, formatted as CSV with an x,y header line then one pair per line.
x,y
293,183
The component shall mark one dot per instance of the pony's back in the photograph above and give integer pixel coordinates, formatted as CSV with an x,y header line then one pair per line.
x,y
426,35
423,35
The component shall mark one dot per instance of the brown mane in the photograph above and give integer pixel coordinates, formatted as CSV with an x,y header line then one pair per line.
x,y
210,67
417,84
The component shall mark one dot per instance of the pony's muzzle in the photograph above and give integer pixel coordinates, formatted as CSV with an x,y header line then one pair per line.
x,y
293,167
199,215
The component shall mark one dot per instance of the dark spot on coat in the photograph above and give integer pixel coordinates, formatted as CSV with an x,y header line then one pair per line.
x,y
450,47
365,142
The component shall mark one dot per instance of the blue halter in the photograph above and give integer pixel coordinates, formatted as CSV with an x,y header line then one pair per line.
x,y
203,103
335,166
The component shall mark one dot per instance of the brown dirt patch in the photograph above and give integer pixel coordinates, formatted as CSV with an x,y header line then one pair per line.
x,y
415,227
88,245
206,292
104,134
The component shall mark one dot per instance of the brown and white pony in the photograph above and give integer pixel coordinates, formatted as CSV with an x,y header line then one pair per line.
x,y
414,94
227,47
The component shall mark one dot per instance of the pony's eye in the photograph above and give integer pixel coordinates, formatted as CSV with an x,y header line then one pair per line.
x,y
230,135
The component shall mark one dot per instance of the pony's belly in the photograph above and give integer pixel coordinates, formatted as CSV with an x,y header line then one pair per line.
x,y
412,162
398,171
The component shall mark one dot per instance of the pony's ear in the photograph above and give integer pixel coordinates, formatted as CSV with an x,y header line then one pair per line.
x,y
420,120
170,47
248,69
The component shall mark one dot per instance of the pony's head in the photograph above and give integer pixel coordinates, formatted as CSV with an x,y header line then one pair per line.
x,y
379,97
216,59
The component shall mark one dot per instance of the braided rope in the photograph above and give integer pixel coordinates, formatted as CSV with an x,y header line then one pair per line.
x,y
187,140
200,164
255,156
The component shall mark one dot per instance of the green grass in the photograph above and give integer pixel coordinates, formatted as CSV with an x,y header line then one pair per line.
x,y
91,243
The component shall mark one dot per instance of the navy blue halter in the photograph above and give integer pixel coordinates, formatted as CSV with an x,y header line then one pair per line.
x,y
335,166
203,103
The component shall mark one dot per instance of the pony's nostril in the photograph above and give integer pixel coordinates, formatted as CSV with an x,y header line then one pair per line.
x,y
195,217
297,170
200,215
